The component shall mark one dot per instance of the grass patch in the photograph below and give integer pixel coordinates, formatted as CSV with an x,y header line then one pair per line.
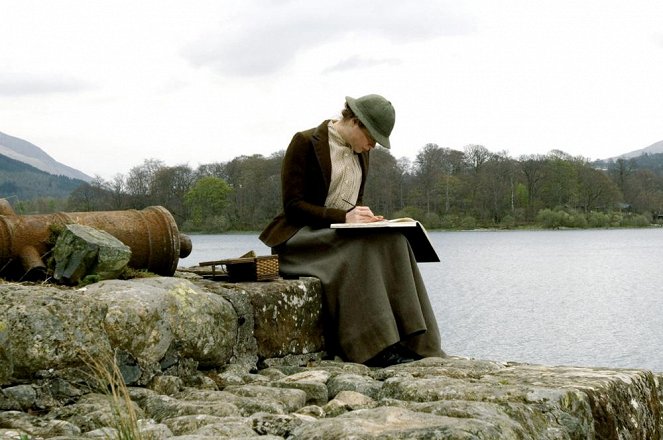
x,y
106,375
130,273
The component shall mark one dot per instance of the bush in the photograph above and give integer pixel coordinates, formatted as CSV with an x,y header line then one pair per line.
x,y
508,222
410,211
636,221
616,219
559,218
549,219
468,222
598,220
449,221
565,219
577,220
432,221
520,215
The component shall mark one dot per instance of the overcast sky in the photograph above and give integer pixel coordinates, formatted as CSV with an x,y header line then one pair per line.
x,y
103,85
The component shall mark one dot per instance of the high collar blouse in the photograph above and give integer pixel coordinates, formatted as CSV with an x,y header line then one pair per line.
x,y
345,175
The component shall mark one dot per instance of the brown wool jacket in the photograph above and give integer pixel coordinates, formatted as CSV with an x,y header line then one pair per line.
x,y
305,180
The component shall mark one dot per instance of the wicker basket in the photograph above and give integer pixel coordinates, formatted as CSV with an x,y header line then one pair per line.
x,y
267,267
262,268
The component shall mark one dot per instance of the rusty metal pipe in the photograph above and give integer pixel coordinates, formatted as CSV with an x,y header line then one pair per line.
x,y
6,208
151,233
33,266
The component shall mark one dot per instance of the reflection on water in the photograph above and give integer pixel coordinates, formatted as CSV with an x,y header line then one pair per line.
x,y
588,297
222,246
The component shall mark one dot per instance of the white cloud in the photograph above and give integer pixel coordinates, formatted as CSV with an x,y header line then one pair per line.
x,y
358,62
658,39
265,41
101,86
27,84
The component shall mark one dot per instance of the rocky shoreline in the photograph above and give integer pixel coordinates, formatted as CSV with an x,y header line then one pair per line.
x,y
205,360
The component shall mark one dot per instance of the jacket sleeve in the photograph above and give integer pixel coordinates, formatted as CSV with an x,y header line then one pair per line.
x,y
304,186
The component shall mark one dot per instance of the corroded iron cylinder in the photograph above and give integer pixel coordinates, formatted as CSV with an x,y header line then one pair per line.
x,y
151,233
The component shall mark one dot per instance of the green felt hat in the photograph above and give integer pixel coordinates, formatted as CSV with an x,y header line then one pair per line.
x,y
377,114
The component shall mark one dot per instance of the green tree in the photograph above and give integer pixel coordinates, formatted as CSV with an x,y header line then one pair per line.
x,y
119,198
496,184
256,197
168,188
404,167
206,202
475,161
560,183
382,185
533,168
620,171
645,191
139,182
429,170
433,168
596,190
92,196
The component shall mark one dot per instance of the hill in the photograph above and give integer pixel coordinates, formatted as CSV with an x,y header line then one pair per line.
x,y
21,182
30,154
654,148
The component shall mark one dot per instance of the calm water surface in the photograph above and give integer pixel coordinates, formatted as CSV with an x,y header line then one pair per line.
x,y
586,297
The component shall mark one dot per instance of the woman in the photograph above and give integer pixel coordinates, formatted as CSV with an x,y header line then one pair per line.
x,y
376,307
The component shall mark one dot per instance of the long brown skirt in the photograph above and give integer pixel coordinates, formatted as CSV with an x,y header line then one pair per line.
x,y
374,294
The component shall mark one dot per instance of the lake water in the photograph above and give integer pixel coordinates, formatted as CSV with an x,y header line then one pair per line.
x,y
568,297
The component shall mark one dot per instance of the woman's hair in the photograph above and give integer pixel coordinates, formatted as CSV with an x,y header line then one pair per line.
x,y
348,114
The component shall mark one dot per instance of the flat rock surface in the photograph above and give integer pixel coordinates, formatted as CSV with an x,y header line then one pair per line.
x,y
434,398
206,362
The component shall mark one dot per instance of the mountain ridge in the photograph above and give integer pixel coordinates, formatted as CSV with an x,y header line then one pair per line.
x,y
20,181
655,148
30,154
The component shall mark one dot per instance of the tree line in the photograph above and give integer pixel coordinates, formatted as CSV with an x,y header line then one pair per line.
x,y
442,187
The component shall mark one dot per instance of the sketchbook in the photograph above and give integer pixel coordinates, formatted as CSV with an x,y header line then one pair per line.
x,y
413,230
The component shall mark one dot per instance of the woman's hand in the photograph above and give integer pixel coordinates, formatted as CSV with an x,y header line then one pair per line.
x,y
362,214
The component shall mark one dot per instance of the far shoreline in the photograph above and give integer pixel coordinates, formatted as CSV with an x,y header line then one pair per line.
x,y
495,229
